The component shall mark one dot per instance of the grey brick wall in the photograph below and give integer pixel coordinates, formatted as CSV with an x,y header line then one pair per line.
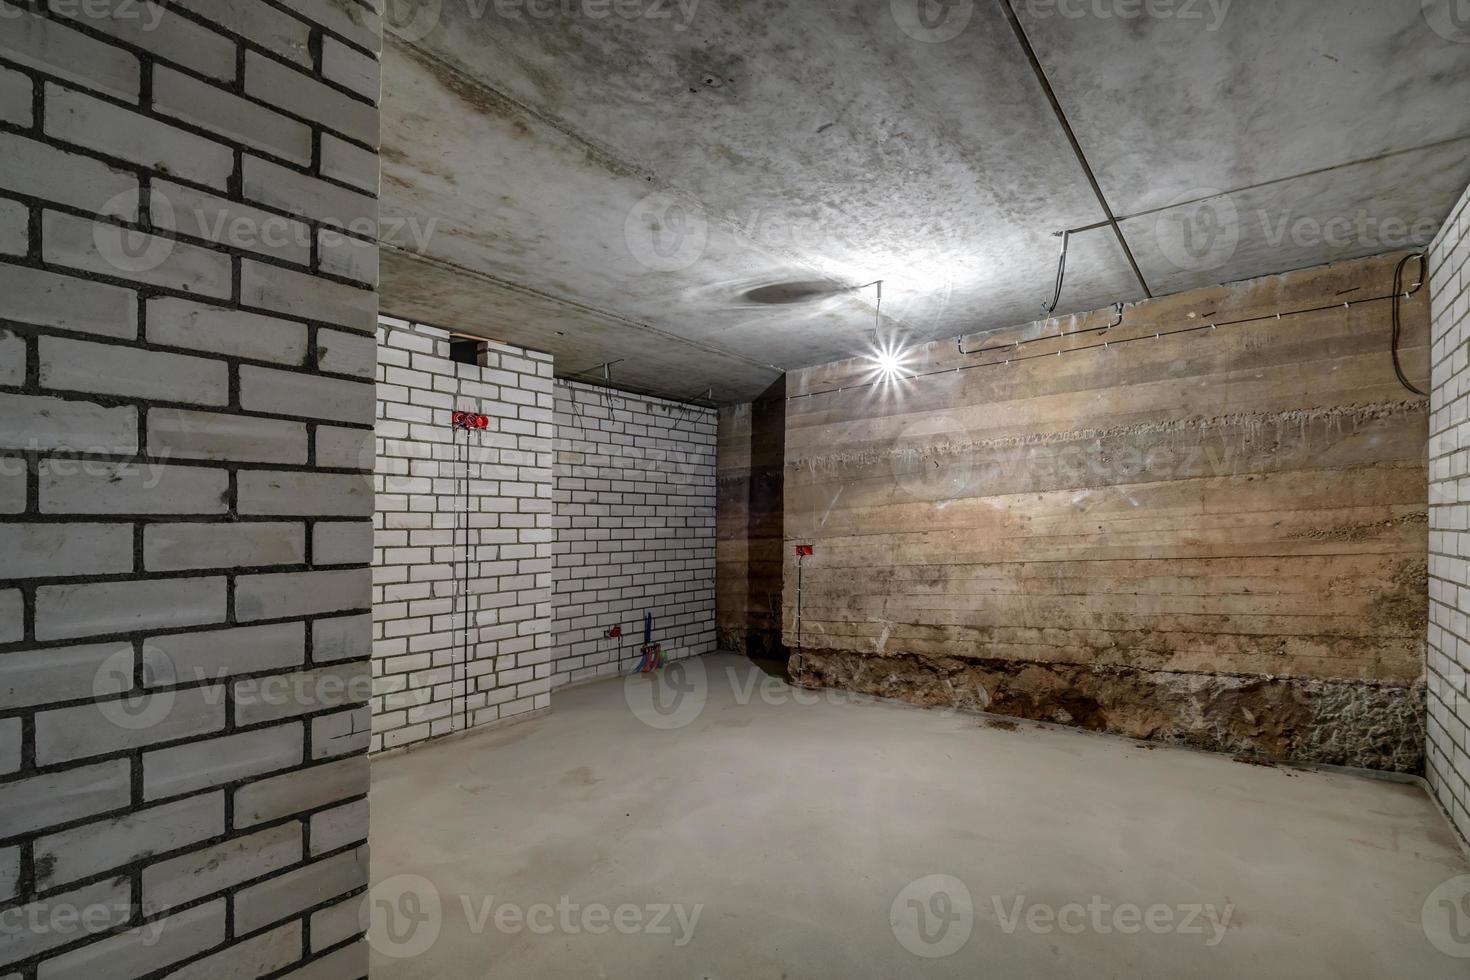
x,y
635,529
1448,756
185,365
428,680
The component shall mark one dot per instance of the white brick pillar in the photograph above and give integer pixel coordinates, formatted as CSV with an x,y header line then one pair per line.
x,y
1447,756
188,269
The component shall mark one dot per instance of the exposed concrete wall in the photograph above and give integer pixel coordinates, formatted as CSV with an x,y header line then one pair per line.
x,y
1216,538
1448,762
185,388
443,493
635,528
751,464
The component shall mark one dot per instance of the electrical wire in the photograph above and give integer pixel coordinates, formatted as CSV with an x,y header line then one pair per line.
x,y
1117,312
1157,335
1056,296
1398,289
461,605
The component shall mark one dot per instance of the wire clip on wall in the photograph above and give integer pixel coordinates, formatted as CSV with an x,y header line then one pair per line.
x,y
469,420
1400,292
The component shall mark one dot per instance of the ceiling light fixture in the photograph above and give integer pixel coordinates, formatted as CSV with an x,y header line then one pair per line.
x,y
888,363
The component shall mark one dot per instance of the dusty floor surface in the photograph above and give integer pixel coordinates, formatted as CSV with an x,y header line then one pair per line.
x,y
850,838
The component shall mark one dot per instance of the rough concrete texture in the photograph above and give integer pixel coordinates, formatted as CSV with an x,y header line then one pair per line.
x,y
748,516
798,826
1214,535
797,150
1370,726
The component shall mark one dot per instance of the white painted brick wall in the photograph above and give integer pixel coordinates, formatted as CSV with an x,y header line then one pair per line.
x,y
635,529
427,680
185,429
1448,756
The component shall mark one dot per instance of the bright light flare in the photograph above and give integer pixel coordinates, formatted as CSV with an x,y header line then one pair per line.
x,y
888,362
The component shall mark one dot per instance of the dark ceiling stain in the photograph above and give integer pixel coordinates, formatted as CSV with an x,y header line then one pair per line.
x,y
798,291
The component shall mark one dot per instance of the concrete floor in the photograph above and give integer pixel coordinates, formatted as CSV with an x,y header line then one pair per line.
x,y
802,828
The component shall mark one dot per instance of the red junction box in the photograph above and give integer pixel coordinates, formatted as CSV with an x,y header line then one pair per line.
x,y
469,420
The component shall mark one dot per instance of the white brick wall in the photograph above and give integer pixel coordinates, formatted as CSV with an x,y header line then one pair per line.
x,y
1448,756
635,529
184,628
427,680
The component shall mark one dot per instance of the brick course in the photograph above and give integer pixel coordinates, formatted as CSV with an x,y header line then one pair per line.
x,y
1448,755
182,715
635,529
428,680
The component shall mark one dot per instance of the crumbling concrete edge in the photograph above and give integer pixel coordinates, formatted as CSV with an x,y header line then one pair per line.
x,y
1357,724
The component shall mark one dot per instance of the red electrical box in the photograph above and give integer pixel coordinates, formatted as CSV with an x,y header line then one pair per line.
x,y
803,550
469,420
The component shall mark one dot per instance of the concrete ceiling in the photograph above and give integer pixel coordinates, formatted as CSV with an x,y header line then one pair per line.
x,y
702,190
